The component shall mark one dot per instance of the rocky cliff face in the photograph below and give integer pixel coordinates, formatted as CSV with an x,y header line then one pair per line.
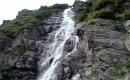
x,y
102,41
101,53
19,56
79,5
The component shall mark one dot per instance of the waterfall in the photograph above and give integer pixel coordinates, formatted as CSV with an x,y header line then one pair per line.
x,y
56,48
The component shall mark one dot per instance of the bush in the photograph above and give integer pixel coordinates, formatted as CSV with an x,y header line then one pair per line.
x,y
60,6
42,14
119,68
4,37
23,13
91,15
98,4
102,9
4,66
28,21
20,49
81,16
103,13
123,17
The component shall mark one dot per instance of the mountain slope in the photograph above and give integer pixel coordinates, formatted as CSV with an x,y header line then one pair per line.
x,y
102,33
22,41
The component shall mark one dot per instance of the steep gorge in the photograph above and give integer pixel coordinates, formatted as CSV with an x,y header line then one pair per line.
x,y
44,46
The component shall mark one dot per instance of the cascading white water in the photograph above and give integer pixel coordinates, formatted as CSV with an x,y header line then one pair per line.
x,y
56,49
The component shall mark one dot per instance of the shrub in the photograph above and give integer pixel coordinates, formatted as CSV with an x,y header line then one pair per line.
x,y
4,66
123,17
3,37
42,14
28,21
60,6
126,16
103,13
119,68
90,16
98,4
103,9
20,49
23,13
81,16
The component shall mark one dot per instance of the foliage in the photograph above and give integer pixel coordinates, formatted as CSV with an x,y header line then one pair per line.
x,y
3,37
20,49
80,16
32,18
98,4
120,68
107,9
128,65
123,17
59,6
9,72
4,66
103,13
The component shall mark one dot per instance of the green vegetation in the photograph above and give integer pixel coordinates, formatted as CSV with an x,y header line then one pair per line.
x,y
123,17
107,9
120,68
12,73
80,16
14,30
20,49
4,66
26,19
31,18
103,13
3,37
99,4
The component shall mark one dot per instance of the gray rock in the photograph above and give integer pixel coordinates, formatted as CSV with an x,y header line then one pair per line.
x,y
79,5
25,50
101,41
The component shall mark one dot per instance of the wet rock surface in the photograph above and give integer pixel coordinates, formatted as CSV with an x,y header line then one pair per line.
x,y
19,57
100,42
99,51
